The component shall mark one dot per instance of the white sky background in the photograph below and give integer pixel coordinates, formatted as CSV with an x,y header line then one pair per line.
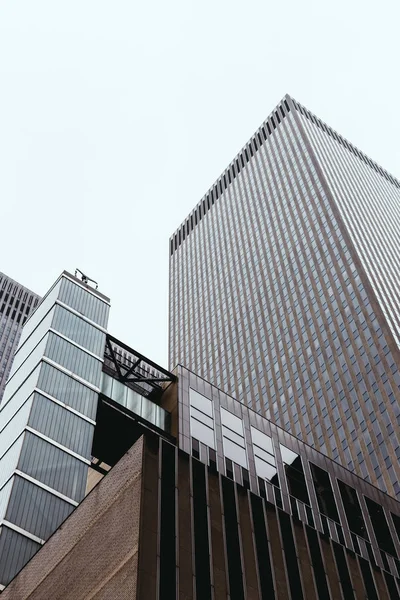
x,y
116,117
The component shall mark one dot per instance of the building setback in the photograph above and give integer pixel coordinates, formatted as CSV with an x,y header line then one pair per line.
x,y
285,291
16,304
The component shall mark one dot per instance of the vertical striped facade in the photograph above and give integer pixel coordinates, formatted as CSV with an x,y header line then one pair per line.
x,y
16,304
47,418
283,291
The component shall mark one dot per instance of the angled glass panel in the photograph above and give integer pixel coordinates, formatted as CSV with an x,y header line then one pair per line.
x,y
84,302
9,460
68,390
5,492
53,467
24,351
20,376
232,421
15,550
79,331
264,469
43,308
61,425
201,402
36,510
288,456
202,433
8,409
15,426
261,440
73,359
235,452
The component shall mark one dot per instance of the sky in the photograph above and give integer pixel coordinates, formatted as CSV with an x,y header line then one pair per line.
x,y
116,117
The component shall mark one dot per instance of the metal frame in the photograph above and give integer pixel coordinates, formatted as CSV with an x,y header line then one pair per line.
x,y
134,370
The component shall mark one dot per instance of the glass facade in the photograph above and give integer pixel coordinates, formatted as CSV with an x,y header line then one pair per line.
x,y
47,418
274,298
135,402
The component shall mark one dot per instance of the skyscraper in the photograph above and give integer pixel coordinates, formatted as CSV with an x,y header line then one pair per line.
x,y
285,291
16,303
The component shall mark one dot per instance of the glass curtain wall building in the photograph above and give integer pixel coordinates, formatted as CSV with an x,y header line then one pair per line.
x,y
47,418
16,304
284,291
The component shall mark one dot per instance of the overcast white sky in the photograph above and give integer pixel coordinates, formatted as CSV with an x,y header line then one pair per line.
x,y
117,116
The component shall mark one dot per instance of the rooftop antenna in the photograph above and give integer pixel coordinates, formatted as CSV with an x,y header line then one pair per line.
x,y
85,278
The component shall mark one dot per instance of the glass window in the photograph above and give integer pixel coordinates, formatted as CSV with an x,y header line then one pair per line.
x,y
202,433
26,349
84,302
352,509
61,425
381,528
262,440
68,390
324,492
264,469
294,474
235,452
79,331
29,364
53,467
231,421
73,359
40,312
201,402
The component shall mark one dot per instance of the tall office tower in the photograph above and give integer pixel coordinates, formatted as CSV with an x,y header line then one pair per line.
x,y
16,303
285,291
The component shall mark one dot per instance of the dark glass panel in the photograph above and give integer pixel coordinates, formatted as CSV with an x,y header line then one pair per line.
x,y
232,540
325,497
36,510
290,555
167,588
352,509
381,528
201,541
15,551
263,555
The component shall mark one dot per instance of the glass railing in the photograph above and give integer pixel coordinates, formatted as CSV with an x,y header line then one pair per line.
x,y
136,403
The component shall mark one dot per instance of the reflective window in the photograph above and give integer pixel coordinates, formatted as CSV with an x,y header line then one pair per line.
x,y
381,528
233,438
263,454
200,402
201,419
84,302
73,359
68,390
79,331
53,467
145,408
294,474
352,509
323,489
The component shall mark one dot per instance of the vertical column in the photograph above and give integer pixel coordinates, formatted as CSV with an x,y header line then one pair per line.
x,y
47,418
